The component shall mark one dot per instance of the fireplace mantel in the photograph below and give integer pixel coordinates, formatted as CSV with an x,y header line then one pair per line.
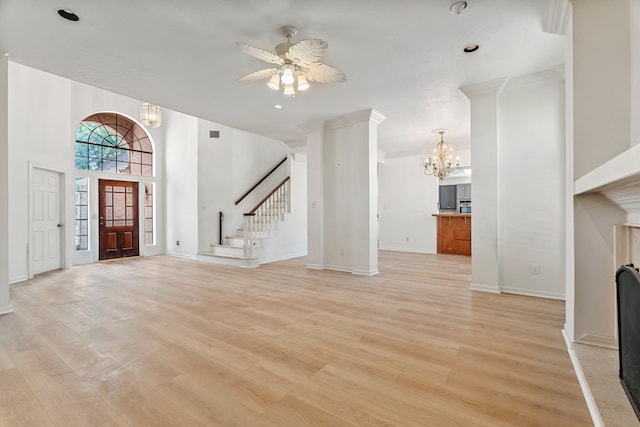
x,y
619,181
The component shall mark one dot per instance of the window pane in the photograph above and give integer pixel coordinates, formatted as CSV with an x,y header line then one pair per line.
x,y
95,151
82,150
107,137
109,153
82,214
95,164
148,213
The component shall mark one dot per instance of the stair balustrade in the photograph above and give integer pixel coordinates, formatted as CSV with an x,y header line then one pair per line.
x,y
265,215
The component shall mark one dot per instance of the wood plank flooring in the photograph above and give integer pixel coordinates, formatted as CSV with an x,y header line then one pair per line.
x,y
166,341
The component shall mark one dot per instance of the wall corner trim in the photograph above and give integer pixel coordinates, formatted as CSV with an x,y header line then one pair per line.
x,y
557,17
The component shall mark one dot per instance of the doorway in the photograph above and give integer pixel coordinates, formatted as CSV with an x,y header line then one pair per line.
x,y
46,224
118,226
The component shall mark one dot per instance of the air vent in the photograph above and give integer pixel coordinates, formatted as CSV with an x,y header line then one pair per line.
x,y
214,134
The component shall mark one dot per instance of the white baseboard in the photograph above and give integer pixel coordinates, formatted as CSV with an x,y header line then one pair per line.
x,y
315,266
412,251
598,341
365,272
179,255
18,279
494,289
584,384
534,293
283,257
6,309
82,262
337,268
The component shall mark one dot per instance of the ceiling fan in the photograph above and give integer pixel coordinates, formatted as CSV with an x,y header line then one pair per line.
x,y
297,64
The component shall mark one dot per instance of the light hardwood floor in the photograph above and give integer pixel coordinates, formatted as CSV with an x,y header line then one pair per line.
x,y
168,341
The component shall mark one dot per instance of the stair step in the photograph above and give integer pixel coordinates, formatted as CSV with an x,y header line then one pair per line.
x,y
228,260
238,241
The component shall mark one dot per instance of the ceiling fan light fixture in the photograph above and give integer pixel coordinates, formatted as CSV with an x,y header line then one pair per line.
x,y
274,82
293,65
289,90
287,77
303,84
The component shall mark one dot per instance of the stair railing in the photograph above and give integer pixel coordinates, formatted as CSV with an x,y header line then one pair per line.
x,y
260,181
268,212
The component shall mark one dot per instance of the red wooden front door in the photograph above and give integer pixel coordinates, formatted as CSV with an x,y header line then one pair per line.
x,y
118,219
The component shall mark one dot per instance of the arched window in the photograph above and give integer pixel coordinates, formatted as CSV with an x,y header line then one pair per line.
x,y
110,142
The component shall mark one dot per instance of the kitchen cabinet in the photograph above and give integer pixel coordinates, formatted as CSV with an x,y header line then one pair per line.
x,y
454,234
463,191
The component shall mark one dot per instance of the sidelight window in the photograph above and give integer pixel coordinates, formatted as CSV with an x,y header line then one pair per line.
x,y
82,214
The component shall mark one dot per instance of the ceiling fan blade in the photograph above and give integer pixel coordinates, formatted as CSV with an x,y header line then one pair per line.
x,y
259,75
306,52
262,54
323,73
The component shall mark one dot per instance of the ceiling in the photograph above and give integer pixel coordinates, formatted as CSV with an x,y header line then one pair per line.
x,y
402,57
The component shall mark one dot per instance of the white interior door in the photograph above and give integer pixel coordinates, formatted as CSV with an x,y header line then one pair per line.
x,y
45,220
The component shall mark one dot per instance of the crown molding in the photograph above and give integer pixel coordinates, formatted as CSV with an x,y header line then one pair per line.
x,y
311,127
557,17
556,73
338,123
488,88
366,115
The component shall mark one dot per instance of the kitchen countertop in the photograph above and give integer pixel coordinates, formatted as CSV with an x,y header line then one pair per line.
x,y
452,214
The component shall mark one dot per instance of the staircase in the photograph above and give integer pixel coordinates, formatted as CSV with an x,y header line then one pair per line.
x,y
244,247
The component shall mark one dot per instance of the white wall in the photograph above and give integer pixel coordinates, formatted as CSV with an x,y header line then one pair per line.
x,y
181,135
407,200
343,193
44,111
605,112
602,82
531,185
5,306
39,132
86,100
227,167
290,238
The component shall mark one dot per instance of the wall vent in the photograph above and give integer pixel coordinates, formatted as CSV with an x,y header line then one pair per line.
x,y
214,134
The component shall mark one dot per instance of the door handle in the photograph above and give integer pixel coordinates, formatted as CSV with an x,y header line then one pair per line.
x,y
59,225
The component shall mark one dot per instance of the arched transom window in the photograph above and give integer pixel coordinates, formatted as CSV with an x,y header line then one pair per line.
x,y
110,142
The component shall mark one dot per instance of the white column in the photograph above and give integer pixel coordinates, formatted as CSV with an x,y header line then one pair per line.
x,y
315,194
604,114
5,306
364,213
485,265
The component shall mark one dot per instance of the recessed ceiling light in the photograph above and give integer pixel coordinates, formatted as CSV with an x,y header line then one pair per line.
x,y
458,7
278,107
471,47
68,15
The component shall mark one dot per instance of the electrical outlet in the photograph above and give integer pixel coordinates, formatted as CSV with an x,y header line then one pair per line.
x,y
407,238
535,268
177,242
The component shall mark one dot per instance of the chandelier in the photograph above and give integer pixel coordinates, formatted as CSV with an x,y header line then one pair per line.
x,y
150,115
439,164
